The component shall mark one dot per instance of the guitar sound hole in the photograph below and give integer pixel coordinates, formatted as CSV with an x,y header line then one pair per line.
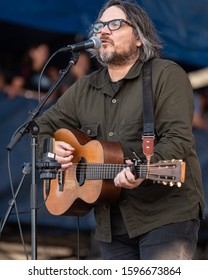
x,y
81,171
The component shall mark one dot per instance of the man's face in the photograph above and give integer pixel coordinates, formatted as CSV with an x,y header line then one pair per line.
x,y
118,46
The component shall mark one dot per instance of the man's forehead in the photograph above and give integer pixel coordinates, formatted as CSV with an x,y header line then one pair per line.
x,y
113,12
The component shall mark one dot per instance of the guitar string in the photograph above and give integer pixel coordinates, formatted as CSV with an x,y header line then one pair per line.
x,y
120,165
90,169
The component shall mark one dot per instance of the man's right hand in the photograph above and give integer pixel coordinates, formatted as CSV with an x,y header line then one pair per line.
x,y
64,154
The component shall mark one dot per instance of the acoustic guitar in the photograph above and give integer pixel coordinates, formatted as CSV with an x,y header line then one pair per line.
x,y
90,179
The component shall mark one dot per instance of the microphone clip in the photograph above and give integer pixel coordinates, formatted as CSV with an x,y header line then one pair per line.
x,y
48,166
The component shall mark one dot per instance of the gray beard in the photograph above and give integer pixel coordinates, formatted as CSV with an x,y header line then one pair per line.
x,y
118,59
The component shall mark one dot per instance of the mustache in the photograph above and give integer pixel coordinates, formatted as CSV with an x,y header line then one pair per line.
x,y
106,39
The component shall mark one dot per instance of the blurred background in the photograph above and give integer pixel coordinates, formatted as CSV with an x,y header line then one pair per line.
x,y
31,31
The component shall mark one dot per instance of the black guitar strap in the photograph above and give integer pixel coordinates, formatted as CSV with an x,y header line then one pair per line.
x,y
148,118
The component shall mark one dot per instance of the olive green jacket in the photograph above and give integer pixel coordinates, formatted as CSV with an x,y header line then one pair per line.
x,y
92,106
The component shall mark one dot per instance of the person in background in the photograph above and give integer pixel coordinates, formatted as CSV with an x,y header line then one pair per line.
x,y
33,63
148,221
26,81
16,87
80,69
2,81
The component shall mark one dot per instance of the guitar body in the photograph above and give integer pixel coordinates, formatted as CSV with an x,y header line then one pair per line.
x,y
75,196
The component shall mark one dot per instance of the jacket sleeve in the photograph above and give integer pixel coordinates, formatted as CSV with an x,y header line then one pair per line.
x,y
173,112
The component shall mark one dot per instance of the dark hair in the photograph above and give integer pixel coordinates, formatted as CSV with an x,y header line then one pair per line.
x,y
143,27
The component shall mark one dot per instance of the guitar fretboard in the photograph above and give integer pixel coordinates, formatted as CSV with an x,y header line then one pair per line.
x,y
106,171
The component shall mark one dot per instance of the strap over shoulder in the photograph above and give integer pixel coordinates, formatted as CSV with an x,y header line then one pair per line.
x,y
148,118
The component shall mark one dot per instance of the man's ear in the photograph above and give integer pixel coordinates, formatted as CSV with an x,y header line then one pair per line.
x,y
138,42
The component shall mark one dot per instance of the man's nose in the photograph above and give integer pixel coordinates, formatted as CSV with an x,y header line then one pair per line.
x,y
106,29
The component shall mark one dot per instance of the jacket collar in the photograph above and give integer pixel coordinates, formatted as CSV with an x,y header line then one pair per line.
x,y
101,80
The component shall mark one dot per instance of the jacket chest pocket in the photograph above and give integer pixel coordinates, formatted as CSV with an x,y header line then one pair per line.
x,y
90,129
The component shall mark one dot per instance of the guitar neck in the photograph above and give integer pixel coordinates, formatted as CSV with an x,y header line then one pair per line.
x,y
167,172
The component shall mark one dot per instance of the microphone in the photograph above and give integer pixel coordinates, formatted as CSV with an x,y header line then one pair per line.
x,y
93,43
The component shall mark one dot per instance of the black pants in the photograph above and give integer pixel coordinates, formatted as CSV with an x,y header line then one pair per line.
x,y
176,241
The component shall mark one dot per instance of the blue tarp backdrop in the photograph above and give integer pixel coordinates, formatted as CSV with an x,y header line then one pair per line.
x,y
181,24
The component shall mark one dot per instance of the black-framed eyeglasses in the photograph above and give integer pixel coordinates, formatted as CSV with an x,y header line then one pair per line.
x,y
113,25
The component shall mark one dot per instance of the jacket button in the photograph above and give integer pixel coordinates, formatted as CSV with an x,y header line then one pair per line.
x,y
110,133
114,101
88,131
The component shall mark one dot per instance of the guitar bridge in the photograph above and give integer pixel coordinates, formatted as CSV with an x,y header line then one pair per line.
x,y
61,181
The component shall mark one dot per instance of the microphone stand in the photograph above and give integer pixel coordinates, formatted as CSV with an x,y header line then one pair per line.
x,y
26,171
31,126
